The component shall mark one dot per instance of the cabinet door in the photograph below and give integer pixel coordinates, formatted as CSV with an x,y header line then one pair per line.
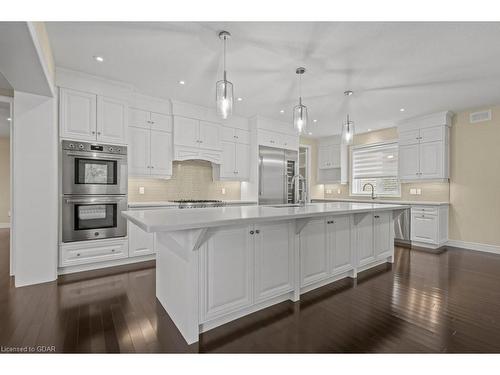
x,y
242,136
409,162
161,153
364,238
139,242
138,152
226,271
186,132
382,234
111,120
334,156
228,134
228,167
339,238
409,137
435,133
210,135
78,114
324,157
161,122
431,160
139,118
273,260
314,255
242,161
424,228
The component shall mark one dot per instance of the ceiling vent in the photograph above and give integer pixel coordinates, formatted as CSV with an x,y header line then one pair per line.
x,y
480,116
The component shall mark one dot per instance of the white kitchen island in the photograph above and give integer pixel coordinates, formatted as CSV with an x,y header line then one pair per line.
x,y
215,265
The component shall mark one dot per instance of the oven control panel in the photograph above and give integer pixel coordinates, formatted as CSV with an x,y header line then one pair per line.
x,y
93,147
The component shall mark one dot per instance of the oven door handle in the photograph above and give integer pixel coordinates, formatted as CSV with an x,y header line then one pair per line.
x,y
92,200
90,155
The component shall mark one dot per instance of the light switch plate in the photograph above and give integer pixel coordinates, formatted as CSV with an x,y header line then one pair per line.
x,y
141,189
223,191
328,191
419,191
338,191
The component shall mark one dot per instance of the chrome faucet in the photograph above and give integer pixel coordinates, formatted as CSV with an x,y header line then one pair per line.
x,y
373,189
303,198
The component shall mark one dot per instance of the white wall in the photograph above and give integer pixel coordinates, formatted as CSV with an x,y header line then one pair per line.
x,y
35,188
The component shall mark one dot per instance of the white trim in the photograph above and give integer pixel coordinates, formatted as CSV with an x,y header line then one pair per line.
x,y
4,225
475,246
41,57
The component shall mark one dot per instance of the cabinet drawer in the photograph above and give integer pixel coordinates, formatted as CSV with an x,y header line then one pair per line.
x,y
267,138
93,252
424,228
427,210
409,137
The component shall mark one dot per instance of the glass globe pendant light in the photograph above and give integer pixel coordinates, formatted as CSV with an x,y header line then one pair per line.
x,y
300,111
347,131
224,88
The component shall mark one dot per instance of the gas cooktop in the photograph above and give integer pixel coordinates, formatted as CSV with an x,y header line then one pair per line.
x,y
199,203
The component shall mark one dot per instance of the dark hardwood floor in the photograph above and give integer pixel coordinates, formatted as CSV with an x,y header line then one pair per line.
x,y
448,302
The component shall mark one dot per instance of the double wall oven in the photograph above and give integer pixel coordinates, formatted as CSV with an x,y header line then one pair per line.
x,y
94,187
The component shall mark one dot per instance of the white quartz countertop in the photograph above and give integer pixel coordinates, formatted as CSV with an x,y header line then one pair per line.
x,y
173,204
174,219
384,201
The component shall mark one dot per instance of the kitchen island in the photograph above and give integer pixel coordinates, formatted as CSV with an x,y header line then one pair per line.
x,y
215,265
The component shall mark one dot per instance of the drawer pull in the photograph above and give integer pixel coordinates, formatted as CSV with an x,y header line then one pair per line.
x,y
77,254
376,216
113,250
252,232
257,231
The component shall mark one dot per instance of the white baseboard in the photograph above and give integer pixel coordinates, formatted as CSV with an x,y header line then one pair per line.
x,y
474,246
4,225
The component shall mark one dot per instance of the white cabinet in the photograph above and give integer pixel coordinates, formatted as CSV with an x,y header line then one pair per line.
x,y
235,160
139,242
86,252
90,117
195,139
429,225
226,271
279,140
242,265
424,150
382,230
209,135
364,239
186,132
329,156
373,237
150,150
339,239
314,254
274,262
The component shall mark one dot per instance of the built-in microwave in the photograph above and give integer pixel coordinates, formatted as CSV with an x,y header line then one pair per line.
x,y
93,217
89,168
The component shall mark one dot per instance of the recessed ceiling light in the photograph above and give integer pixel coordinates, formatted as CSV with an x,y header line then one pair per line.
x,y
182,82
369,130
310,133
315,120
9,119
348,92
390,156
239,99
401,109
99,58
282,111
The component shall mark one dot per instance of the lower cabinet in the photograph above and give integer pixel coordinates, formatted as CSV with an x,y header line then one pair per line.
x,y
325,249
382,234
364,238
86,252
244,265
139,242
373,237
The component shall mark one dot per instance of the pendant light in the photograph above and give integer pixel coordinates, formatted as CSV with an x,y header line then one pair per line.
x,y
300,111
224,88
347,131
347,126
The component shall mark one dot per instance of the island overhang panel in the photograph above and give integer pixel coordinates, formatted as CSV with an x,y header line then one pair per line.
x,y
215,265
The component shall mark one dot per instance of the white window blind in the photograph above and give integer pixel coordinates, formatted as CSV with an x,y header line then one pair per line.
x,y
377,165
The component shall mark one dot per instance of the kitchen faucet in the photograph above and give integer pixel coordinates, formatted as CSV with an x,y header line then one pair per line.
x,y
373,189
303,197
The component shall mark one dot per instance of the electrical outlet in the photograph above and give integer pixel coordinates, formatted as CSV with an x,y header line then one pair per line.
x,y
223,191
328,191
419,191
141,190
338,191
413,191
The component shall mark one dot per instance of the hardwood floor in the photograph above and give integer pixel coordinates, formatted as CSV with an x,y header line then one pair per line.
x,y
448,302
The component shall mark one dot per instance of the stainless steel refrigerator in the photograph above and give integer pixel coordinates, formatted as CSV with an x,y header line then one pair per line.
x,y
276,170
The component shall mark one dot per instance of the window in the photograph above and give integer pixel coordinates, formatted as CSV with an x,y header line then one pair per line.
x,y
377,165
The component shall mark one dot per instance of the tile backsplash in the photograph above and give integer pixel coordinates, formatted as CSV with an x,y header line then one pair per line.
x,y
191,179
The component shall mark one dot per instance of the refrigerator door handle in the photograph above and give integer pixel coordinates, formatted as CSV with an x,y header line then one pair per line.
x,y
261,176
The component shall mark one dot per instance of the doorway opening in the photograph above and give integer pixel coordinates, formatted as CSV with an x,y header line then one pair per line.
x,y
6,258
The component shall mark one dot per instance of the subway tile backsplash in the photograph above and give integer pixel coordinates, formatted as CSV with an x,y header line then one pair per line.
x,y
191,180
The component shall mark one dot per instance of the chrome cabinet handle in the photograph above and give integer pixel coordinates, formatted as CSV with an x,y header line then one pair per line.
x,y
257,231
261,166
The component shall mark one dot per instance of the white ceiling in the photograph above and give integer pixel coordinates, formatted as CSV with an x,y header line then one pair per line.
x,y
4,115
422,67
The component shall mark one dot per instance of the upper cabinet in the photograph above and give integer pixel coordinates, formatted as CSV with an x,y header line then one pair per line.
x,y
329,156
196,139
150,148
235,162
329,160
90,117
424,148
